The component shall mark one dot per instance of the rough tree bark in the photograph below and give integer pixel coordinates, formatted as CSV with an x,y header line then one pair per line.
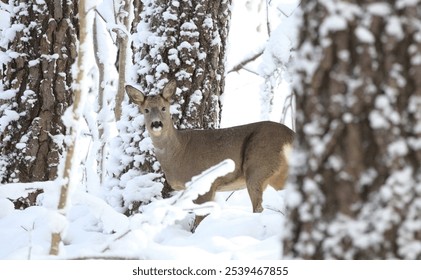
x,y
187,43
70,164
38,75
356,178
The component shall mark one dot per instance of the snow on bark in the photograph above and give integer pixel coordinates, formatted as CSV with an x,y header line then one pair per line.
x,y
39,47
356,170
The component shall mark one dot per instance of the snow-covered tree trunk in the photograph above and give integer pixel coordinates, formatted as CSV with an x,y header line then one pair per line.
x,y
185,40
181,40
73,116
356,174
39,50
123,17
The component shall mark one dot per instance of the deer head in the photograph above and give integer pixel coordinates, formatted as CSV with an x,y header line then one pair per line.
x,y
155,108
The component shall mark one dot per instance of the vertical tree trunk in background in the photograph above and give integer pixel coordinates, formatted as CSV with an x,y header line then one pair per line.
x,y
39,78
356,176
123,18
101,124
70,163
185,41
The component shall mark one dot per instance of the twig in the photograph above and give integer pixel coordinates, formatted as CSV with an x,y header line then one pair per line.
x,y
229,196
274,210
108,30
288,104
104,258
282,12
30,239
115,239
246,61
267,18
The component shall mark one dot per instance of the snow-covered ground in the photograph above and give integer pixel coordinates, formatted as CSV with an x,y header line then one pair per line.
x,y
92,228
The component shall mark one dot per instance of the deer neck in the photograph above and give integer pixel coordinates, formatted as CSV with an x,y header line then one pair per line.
x,y
168,141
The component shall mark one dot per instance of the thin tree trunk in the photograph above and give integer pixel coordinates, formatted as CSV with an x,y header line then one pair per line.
x,y
101,153
123,17
79,91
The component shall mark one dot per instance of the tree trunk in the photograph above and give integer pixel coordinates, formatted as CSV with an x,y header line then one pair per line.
x,y
185,41
38,78
70,164
122,18
188,45
356,176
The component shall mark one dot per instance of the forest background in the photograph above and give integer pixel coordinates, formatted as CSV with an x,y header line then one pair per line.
x,y
78,175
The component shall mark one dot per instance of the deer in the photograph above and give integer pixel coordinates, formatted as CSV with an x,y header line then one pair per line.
x,y
259,150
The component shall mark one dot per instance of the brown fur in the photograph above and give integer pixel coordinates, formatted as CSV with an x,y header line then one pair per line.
x,y
258,150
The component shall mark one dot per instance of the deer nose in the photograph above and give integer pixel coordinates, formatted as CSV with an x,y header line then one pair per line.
x,y
156,125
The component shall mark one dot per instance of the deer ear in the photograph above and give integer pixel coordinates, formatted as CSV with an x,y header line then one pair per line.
x,y
169,89
135,95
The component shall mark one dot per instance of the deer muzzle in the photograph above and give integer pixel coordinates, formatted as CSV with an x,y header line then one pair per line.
x,y
156,125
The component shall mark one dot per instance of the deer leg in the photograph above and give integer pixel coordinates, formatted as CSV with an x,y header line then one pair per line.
x,y
255,191
209,196
277,180
257,181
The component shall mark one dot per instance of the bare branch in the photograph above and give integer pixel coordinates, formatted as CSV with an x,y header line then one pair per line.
x,y
105,20
286,15
288,105
267,18
115,239
246,61
229,196
92,257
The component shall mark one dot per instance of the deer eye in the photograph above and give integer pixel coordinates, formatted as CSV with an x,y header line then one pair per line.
x,y
163,109
147,111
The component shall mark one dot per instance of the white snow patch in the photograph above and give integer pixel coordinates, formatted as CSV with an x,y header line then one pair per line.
x,y
364,35
398,148
394,28
379,9
8,94
6,207
332,23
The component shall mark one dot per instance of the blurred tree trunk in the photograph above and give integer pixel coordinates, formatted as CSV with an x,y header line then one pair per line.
x,y
38,78
185,41
356,176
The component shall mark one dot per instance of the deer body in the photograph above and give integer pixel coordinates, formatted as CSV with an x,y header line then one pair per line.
x,y
259,150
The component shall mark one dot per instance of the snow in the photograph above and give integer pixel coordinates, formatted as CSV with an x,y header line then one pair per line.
x,y
8,94
364,35
401,4
332,23
398,148
93,225
379,9
8,116
6,207
394,28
